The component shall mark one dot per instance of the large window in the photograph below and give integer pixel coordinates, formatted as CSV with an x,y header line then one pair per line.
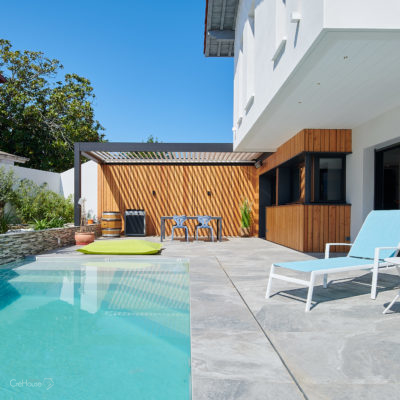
x,y
387,179
329,179
291,186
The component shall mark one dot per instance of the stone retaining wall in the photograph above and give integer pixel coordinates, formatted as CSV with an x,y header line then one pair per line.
x,y
15,246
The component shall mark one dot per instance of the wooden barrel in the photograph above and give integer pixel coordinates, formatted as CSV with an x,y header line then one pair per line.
x,y
111,224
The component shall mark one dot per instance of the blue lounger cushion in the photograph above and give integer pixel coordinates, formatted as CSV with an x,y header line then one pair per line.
x,y
327,263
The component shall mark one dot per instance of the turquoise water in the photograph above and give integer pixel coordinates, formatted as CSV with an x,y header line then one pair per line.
x,y
95,328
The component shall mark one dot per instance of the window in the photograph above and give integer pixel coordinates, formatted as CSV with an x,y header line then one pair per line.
x,y
329,179
291,178
387,178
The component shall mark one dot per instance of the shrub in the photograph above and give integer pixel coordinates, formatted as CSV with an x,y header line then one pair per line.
x,y
48,223
245,211
37,203
6,219
7,194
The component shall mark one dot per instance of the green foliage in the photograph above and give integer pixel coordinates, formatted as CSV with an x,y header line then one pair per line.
x,y
245,211
56,222
152,139
6,219
37,203
41,118
7,194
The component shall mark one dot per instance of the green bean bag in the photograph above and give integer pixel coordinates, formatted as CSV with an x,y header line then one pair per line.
x,y
121,247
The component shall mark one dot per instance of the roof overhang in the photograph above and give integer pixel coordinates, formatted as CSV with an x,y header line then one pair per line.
x,y
165,153
2,79
219,32
12,158
347,78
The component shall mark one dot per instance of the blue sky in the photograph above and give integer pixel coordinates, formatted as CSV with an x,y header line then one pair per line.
x,y
144,58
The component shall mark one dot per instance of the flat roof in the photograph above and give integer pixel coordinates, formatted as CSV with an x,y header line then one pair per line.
x,y
165,153
219,29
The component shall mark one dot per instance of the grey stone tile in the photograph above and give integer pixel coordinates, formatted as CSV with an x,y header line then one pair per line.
x,y
244,355
353,391
340,357
235,389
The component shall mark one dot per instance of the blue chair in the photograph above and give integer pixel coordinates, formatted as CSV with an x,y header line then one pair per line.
x,y
204,220
379,238
179,224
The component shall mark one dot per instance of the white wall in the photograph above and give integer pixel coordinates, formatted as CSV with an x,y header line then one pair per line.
x,y
64,183
88,184
272,24
38,176
375,134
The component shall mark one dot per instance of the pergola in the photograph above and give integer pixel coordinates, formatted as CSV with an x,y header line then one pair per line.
x,y
157,153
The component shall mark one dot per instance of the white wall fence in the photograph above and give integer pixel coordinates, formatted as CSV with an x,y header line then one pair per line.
x,y
63,183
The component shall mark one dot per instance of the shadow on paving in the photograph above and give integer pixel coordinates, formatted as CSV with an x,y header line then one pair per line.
x,y
341,289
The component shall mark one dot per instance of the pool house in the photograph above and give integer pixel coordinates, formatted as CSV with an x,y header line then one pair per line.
x,y
297,193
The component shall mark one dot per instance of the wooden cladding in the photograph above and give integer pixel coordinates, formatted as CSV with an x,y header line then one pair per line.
x,y
216,190
310,140
308,228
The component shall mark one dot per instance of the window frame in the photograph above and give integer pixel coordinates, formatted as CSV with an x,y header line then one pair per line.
x,y
315,178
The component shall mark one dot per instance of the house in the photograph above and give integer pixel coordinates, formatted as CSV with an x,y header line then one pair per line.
x,y
317,84
11,159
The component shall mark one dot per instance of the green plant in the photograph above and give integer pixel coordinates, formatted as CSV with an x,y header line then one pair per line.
x,y
7,194
48,223
245,212
36,203
6,219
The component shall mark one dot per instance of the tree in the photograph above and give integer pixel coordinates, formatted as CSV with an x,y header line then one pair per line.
x,y
152,139
41,117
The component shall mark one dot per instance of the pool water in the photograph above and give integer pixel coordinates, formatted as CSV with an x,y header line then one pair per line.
x,y
95,328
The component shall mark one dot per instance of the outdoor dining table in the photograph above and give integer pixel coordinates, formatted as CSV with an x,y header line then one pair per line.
x,y
218,219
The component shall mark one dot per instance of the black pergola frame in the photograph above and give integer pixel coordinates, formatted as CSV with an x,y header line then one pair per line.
x,y
85,148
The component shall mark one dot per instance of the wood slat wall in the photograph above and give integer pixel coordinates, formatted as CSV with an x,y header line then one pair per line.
x,y
308,228
179,189
312,140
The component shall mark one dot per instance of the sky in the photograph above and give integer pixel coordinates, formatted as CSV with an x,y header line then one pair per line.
x,y
144,58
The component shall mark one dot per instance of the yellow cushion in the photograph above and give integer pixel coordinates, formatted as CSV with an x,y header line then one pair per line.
x,y
121,247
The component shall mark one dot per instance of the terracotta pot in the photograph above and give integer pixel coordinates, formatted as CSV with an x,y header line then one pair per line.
x,y
83,238
244,232
90,221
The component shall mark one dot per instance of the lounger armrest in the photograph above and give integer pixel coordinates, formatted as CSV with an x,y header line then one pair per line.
x,y
378,250
328,247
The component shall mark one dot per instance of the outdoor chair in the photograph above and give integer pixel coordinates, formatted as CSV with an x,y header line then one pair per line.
x,y
179,224
378,239
203,222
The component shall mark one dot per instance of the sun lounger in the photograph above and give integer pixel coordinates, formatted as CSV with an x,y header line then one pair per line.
x,y
378,239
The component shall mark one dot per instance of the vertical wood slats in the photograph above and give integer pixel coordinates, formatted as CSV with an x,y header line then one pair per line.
x,y
308,228
179,189
310,140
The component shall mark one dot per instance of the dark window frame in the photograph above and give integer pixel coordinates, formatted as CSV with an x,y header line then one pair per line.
x,y
315,174
379,175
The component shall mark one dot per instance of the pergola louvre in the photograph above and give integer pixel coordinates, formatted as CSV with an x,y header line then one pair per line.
x,y
156,153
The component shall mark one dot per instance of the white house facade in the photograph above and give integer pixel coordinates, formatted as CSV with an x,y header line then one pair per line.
x,y
320,66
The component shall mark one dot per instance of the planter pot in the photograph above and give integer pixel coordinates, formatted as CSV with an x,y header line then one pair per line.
x,y
84,238
244,232
90,222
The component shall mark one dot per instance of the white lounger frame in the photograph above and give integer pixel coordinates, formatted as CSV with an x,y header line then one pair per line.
x,y
375,265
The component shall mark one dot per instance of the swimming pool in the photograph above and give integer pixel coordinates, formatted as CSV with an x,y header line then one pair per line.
x,y
95,328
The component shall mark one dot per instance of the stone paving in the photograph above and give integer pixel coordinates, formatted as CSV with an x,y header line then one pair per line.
x,y
246,347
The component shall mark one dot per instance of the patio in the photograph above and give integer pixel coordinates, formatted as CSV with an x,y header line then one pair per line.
x,y
244,347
